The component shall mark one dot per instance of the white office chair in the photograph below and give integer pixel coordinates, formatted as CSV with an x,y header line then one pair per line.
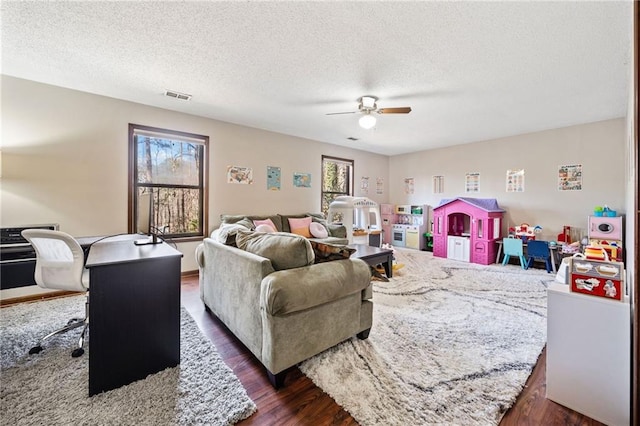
x,y
60,266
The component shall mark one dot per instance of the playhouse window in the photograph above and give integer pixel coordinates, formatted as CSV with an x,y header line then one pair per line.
x,y
496,228
480,228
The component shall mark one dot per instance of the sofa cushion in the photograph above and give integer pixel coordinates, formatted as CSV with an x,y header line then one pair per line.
x,y
328,252
285,250
338,231
318,230
295,290
300,226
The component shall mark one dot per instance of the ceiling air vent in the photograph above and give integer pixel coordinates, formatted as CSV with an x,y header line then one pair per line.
x,y
177,95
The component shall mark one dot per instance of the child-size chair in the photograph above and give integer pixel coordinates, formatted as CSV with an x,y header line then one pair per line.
x,y
538,250
513,247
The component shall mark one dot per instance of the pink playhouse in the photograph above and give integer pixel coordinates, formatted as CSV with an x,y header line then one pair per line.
x,y
467,229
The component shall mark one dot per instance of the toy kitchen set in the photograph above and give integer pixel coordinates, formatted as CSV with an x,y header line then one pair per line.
x,y
405,225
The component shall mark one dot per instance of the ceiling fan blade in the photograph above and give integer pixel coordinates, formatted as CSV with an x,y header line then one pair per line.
x,y
399,110
338,113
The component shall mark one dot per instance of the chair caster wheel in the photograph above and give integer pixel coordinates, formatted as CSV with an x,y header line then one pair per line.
x,y
77,352
35,350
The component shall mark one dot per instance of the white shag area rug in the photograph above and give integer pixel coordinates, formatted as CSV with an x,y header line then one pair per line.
x,y
452,343
52,387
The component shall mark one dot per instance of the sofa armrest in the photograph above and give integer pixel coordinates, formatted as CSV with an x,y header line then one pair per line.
x,y
230,288
338,231
200,256
293,290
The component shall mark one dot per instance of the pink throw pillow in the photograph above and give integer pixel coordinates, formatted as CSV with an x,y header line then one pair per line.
x,y
318,230
265,228
300,226
267,222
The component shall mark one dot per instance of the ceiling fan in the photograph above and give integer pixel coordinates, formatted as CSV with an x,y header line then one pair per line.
x,y
367,105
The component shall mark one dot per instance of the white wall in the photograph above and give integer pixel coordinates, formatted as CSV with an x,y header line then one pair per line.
x,y
600,148
65,156
64,160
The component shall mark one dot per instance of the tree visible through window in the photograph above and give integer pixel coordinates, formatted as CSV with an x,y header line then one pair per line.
x,y
337,180
167,175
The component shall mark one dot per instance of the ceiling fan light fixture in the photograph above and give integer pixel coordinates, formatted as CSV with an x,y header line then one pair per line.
x,y
368,102
367,121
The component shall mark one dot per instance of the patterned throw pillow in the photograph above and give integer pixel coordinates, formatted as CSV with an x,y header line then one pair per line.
x,y
300,226
328,252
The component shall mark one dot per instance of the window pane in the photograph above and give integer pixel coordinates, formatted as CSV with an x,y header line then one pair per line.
x,y
173,210
167,161
336,177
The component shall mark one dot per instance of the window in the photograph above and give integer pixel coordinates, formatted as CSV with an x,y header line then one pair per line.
x,y
169,169
337,180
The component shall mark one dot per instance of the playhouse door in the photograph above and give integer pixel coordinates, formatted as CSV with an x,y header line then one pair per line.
x,y
458,248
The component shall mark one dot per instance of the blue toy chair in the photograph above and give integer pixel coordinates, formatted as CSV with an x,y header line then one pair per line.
x,y
538,250
513,247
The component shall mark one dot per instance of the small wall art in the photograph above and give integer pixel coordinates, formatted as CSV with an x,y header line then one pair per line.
x,y
379,185
570,177
273,178
515,180
241,175
408,185
472,182
438,184
302,180
364,185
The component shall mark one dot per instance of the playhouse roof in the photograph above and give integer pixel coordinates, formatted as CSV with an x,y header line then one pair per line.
x,y
486,204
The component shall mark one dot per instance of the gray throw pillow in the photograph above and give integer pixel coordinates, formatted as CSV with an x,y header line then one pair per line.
x,y
285,250
227,233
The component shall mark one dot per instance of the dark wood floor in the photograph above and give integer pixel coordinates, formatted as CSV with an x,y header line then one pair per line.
x,y
300,402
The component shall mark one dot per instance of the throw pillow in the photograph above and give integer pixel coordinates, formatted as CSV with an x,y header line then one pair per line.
x,y
300,226
285,250
263,227
267,222
227,233
246,222
328,252
318,230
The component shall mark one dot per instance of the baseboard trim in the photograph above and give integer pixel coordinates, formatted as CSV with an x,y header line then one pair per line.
x,y
37,297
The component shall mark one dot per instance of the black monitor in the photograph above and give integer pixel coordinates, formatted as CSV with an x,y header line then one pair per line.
x,y
145,222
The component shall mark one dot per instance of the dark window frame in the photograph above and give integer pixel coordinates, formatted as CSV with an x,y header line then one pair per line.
x,y
350,180
133,185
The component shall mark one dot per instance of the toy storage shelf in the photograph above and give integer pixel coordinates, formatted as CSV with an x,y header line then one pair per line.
x,y
588,354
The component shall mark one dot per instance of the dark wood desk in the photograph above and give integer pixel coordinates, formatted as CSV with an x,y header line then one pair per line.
x,y
134,308
375,256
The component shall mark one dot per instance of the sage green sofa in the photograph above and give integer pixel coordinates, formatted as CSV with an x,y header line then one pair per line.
x,y
282,306
337,233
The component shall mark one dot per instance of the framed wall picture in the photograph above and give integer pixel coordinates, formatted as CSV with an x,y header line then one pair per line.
x,y
570,177
515,180
274,182
302,180
472,182
240,175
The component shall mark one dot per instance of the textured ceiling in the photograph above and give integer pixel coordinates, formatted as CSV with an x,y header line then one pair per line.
x,y
471,71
